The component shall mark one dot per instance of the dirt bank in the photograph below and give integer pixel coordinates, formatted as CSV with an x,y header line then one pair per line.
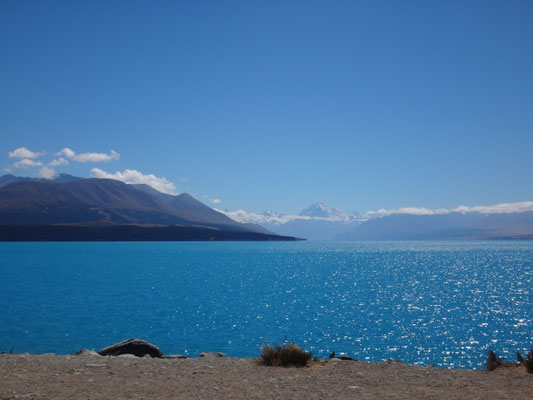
x,y
129,377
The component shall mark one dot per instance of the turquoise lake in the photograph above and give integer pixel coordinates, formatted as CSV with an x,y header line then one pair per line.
x,y
442,303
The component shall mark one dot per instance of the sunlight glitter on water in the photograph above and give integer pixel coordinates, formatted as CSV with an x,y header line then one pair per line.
x,y
421,302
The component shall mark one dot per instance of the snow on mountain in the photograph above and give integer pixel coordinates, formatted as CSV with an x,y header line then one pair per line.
x,y
318,221
321,222
321,210
318,211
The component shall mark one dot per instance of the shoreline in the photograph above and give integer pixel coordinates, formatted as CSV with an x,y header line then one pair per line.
x,y
89,375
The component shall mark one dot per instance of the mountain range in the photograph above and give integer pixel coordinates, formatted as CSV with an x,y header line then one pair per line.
x,y
321,222
105,203
316,222
73,208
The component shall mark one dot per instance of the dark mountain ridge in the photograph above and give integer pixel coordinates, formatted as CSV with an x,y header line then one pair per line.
x,y
100,202
9,179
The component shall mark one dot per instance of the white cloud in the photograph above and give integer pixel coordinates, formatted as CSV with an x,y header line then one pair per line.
x,y
47,173
269,217
246,217
27,163
134,176
406,210
215,201
23,152
184,179
88,157
8,170
66,152
503,208
58,161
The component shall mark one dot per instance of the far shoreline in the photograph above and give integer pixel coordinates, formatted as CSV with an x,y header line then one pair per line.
x,y
131,233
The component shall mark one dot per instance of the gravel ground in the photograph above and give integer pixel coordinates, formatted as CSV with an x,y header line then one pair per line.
x,y
48,376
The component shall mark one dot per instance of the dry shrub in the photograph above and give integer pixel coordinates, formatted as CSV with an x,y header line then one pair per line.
x,y
528,363
519,357
289,355
493,361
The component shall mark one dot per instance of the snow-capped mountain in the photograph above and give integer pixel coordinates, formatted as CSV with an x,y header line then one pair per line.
x,y
316,222
321,222
321,210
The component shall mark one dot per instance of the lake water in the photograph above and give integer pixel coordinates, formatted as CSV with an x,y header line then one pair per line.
x,y
444,303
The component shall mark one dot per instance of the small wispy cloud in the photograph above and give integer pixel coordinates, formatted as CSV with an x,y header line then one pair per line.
x,y
133,176
47,173
25,163
58,162
23,152
88,157
215,201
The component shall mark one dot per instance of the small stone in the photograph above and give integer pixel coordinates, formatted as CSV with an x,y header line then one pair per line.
x,y
85,352
31,396
210,354
346,358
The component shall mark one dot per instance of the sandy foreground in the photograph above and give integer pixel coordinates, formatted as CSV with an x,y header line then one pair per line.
x,y
49,376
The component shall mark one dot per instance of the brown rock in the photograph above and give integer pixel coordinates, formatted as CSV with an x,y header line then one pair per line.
x,y
137,347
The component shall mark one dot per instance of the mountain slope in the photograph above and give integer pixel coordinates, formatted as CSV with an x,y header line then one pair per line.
x,y
103,201
194,210
197,211
167,198
25,203
86,200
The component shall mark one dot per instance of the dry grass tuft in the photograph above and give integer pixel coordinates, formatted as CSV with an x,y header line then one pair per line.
x,y
289,355
519,357
528,363
493,361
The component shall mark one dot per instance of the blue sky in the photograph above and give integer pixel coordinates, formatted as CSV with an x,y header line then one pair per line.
x,y
265,104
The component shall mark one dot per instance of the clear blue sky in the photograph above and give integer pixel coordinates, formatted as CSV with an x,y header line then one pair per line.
x,y
277,104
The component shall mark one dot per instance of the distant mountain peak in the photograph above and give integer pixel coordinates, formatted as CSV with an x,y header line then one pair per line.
x,y
322,210
270,213
318,209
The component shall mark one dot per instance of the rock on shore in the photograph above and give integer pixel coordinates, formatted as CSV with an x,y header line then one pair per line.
x,y
134,346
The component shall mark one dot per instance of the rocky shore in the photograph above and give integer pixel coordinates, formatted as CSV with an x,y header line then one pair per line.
x,y
89,375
